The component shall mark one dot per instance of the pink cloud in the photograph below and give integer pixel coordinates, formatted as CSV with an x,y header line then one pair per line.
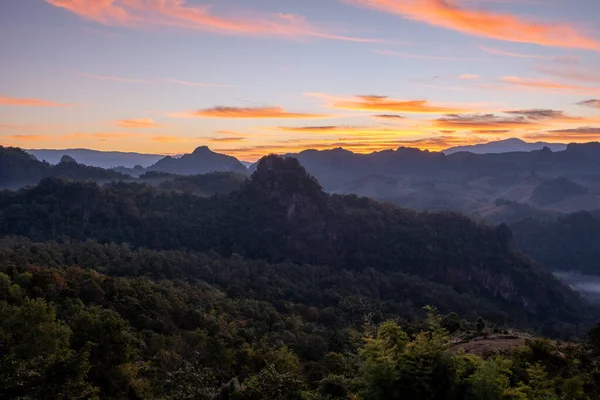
x,y
484,23
187,15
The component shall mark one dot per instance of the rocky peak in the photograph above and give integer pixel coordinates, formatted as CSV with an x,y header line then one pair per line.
x,y
66,159
286,180
201,150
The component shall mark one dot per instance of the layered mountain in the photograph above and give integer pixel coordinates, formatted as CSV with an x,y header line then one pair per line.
x,y
19,168
506,146
542,180
95,158
201,185
465,182
282,214
563,243
200,161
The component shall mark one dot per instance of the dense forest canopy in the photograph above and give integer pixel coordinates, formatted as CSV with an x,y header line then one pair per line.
x,y
565,243
108,321
282,214
222,287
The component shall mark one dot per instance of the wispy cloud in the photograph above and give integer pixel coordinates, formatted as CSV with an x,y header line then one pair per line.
x,y
583,130
485,123
417,56
104,136
97,135
546,85
435,143
248,113
186,15
113,78
594,103
137,123
390,117
483,23
537,114
498,52
369,131
583,134
384,104
228,132
196,84
28,102
153,81
27,138
513,120
227,139
570,72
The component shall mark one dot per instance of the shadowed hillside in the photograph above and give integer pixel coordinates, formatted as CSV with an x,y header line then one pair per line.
x,y
200,161
282,214
18,168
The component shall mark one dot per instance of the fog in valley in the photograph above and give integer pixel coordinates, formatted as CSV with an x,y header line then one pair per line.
x,y
587,285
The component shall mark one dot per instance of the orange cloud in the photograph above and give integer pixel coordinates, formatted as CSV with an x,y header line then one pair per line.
x,y
367,131
227,132
435,143
167,139
137,123
97,135
105,136
24,102
485,123
385,104
249,113
228,139
185,15
112,135
583,134
482,23
28,138
443,142
468,77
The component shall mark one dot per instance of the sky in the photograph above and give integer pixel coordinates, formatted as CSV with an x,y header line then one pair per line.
x,y
249,78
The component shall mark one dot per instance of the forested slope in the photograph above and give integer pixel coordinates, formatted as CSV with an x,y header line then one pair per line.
x,y
275,291
282,214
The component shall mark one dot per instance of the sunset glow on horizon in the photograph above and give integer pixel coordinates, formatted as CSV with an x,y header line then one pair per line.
x,y
252,78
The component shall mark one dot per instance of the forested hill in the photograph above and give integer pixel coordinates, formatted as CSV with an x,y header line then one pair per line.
x,y
201,161
565,243
18,168
282,214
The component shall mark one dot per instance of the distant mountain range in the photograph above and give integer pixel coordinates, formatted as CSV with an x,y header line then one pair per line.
x,y
540,185
465,182
115,159
19,168
494,186
506,146
200,161
95,158
282,215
